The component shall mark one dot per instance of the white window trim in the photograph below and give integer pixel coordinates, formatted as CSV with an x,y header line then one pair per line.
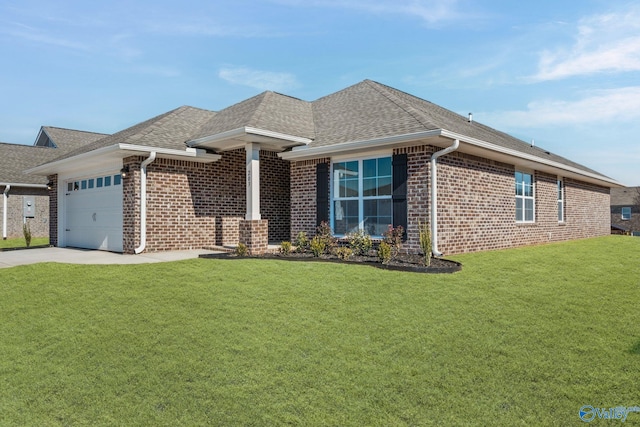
x,y
361,197
561,200
622,216
523,197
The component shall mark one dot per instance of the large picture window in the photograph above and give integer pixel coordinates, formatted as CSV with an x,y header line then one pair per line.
x,y
524,197
361,196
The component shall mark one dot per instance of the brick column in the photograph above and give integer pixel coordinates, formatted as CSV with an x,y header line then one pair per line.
x,y
255,234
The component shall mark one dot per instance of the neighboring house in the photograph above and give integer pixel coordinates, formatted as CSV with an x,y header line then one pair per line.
x,y
366,157
625,210
25,197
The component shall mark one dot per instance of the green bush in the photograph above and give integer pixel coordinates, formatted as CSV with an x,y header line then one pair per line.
x,y
242,250
393,237
344,253
360,242
425,241
317,246
301,242
285,248
384,252
324,233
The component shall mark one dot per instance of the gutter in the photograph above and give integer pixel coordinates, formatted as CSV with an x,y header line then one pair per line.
x,y
143,202
434,195
5,195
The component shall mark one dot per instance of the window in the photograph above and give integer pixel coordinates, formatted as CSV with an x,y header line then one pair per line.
x,y
626,213
107,181
524,197
84,184
117,179
99,182
560,200
361,196
91,181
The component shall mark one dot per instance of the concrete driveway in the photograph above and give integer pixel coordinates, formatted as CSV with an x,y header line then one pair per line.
x,y
88,256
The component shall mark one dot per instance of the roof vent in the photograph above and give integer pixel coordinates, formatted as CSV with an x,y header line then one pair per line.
x,y
470,117
533,142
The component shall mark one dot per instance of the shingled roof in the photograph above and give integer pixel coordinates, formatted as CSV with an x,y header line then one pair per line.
x,y
169,130
16,158
65,140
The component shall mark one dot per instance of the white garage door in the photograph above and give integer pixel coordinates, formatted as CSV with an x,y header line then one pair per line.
x,y
94,212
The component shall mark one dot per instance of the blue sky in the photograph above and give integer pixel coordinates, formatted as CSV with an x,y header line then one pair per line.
x,y
563,73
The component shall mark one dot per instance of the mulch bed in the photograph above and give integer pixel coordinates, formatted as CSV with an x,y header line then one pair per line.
x,y
402,262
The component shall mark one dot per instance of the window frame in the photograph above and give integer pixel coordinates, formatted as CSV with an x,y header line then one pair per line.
x,y
622,215
360,198
524,198
561,200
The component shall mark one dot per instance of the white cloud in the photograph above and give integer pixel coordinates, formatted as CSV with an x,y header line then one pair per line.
x,y
25,32
603,43
600,107
263,80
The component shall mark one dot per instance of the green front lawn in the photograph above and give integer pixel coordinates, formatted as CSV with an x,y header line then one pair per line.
x,y
518,337
20,242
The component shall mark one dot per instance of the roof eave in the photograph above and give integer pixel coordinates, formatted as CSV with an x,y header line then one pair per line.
x,y
468,145
121,151
238,138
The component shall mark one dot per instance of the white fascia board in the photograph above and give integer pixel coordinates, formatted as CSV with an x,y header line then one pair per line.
x,y
303,153
17,184
244,133
531,158
122,151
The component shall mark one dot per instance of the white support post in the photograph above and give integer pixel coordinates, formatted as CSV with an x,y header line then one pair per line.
x,y
253,181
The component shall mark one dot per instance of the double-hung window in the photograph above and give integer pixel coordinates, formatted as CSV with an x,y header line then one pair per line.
x,y
361,196
524,197
560,200
626,213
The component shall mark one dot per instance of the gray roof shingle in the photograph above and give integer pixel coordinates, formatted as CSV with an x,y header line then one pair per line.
x,y
67,140
268,111
16,158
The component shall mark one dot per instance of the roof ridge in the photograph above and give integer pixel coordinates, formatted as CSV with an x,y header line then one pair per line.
x,y
74,130
255,117
387,92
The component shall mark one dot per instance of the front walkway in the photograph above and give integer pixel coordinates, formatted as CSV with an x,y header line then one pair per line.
x,y
88,256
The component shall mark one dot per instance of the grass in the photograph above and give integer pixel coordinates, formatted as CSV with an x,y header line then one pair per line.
x,y
518,337
20,243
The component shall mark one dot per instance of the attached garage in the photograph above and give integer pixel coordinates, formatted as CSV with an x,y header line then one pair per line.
x,y
93,212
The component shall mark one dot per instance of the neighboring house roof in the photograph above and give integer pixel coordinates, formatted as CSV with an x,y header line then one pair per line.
x,y
16,158
65,140
625,196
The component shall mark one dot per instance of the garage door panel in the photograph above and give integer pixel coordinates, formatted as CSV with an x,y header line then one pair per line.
x,y
94,217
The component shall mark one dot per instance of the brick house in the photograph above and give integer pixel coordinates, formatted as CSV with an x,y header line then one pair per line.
x,y
25,197
625,210
362,158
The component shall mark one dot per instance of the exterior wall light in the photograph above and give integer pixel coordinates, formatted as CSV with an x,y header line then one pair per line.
x,y
124,172
49,185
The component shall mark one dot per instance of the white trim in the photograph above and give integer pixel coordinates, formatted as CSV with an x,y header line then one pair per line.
x,y
562,197
16,184
121,151
622,217
525,198
245,131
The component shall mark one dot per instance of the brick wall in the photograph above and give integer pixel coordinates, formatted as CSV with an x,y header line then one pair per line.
x,y
193,205
303,196
476,203
39,225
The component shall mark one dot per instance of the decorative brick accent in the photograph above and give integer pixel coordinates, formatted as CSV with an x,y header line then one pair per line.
x,y
255,234
275,195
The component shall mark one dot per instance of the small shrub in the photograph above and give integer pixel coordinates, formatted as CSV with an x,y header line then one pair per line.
x,y
360,242
344,253
384,252
242,250
301,242
317,246
26,230
393,238
425,241
285,248
324,233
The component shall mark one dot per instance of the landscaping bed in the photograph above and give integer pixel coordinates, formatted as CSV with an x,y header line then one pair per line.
x,y
401,262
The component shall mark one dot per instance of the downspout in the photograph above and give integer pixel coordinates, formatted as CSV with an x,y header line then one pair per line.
x,y
5,196
143,202
434,196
